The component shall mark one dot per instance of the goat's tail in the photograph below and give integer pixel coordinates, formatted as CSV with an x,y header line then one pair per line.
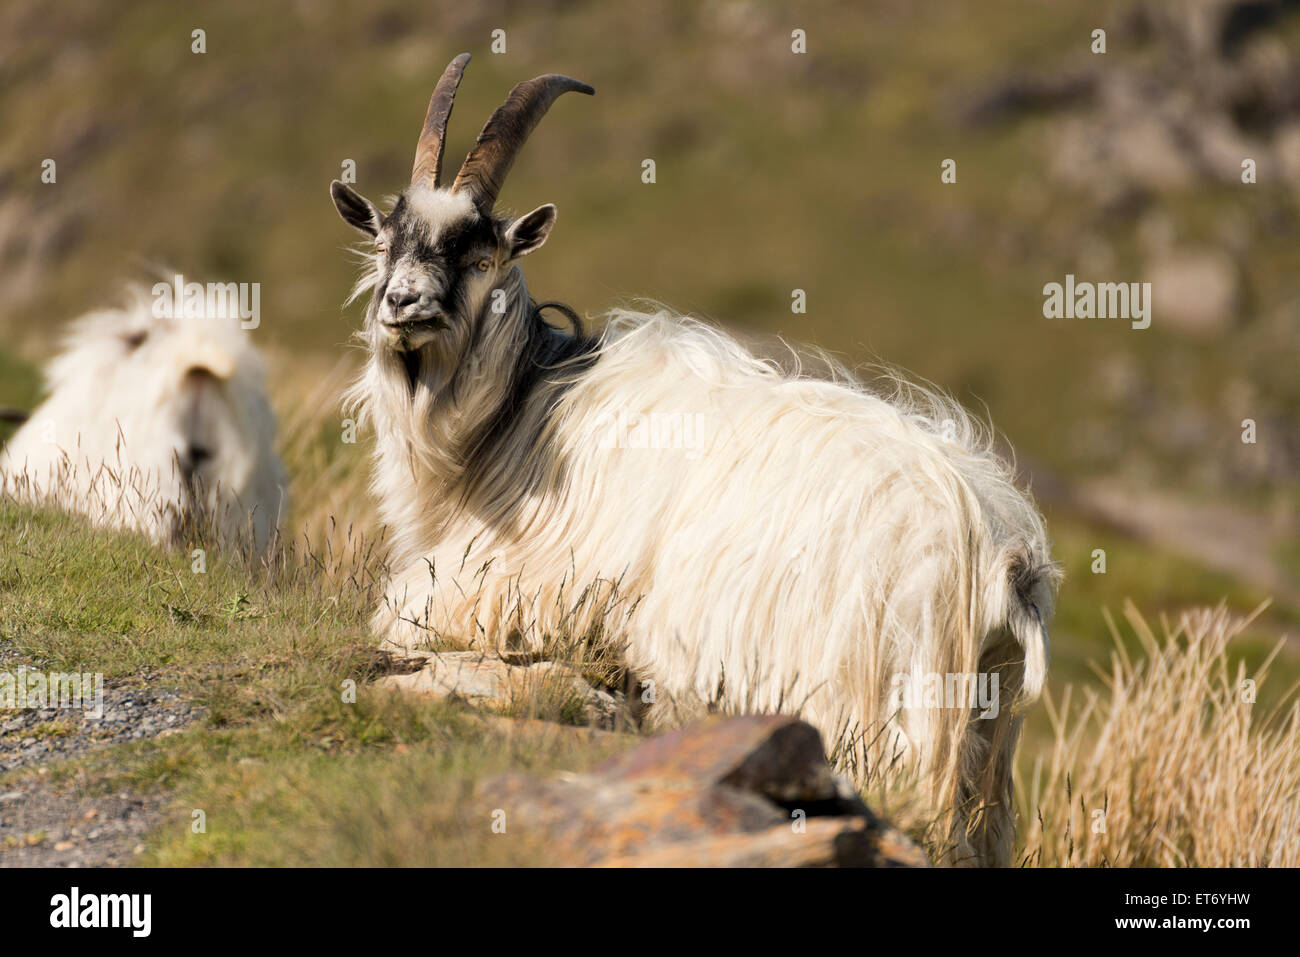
x,y
1031,593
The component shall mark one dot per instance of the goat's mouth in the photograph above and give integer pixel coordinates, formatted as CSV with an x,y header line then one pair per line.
x,y
410,335
433,320
191,464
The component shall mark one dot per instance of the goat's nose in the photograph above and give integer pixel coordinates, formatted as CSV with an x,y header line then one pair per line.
x,y
400,297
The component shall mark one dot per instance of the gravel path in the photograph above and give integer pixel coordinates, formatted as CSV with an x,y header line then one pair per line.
x,y
132,710
43,825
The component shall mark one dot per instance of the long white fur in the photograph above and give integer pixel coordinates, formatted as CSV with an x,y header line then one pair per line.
x,y
108,440
816,541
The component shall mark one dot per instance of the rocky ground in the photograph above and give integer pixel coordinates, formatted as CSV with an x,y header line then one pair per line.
x,y
46,826
726,792
43,824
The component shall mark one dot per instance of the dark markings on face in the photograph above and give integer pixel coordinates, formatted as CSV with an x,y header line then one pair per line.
x,y
547,364
411,364
451,257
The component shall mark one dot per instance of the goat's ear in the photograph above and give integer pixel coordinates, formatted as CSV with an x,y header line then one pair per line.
x,y
529,231
355,209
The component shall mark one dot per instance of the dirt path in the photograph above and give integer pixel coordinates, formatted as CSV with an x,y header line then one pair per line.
x,y
65,825
41,826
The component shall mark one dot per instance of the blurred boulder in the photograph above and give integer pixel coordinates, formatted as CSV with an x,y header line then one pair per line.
x,y
1195,291
1213,86
1288,153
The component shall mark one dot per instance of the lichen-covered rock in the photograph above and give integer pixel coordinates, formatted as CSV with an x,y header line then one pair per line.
x,y
495,684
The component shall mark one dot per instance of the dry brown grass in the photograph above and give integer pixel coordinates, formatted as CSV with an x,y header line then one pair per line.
x,y
1172,765
329,476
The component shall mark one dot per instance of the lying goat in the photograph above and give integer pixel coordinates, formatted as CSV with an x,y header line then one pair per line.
x,y
156,423
817,547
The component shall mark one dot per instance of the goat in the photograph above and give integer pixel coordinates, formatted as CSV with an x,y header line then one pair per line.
x,y
158,422
816,544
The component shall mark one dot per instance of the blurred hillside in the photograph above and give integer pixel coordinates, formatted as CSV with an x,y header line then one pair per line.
x,y
775,171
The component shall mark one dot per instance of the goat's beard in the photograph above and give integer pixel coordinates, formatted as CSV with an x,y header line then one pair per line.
x,y
411,363
425,372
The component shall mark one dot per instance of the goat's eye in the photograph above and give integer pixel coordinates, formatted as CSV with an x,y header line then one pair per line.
x,y
484,265
135,339
381,246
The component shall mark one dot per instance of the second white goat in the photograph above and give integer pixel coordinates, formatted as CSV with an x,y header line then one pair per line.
x,y
155,422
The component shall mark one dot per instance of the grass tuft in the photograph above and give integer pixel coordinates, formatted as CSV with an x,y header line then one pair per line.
x,y
1173,764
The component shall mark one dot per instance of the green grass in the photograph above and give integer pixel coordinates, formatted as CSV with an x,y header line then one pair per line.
x,y
288,766
112,603
1159,582
386,781
20,387
288,769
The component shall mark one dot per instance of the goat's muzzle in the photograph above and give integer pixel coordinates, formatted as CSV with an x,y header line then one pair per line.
x,y
409,332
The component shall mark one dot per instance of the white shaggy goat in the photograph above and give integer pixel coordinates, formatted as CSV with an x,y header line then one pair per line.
x,y
791,542
155,422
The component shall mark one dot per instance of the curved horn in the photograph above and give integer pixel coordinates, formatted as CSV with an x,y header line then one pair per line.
x,y
428,153
485,168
